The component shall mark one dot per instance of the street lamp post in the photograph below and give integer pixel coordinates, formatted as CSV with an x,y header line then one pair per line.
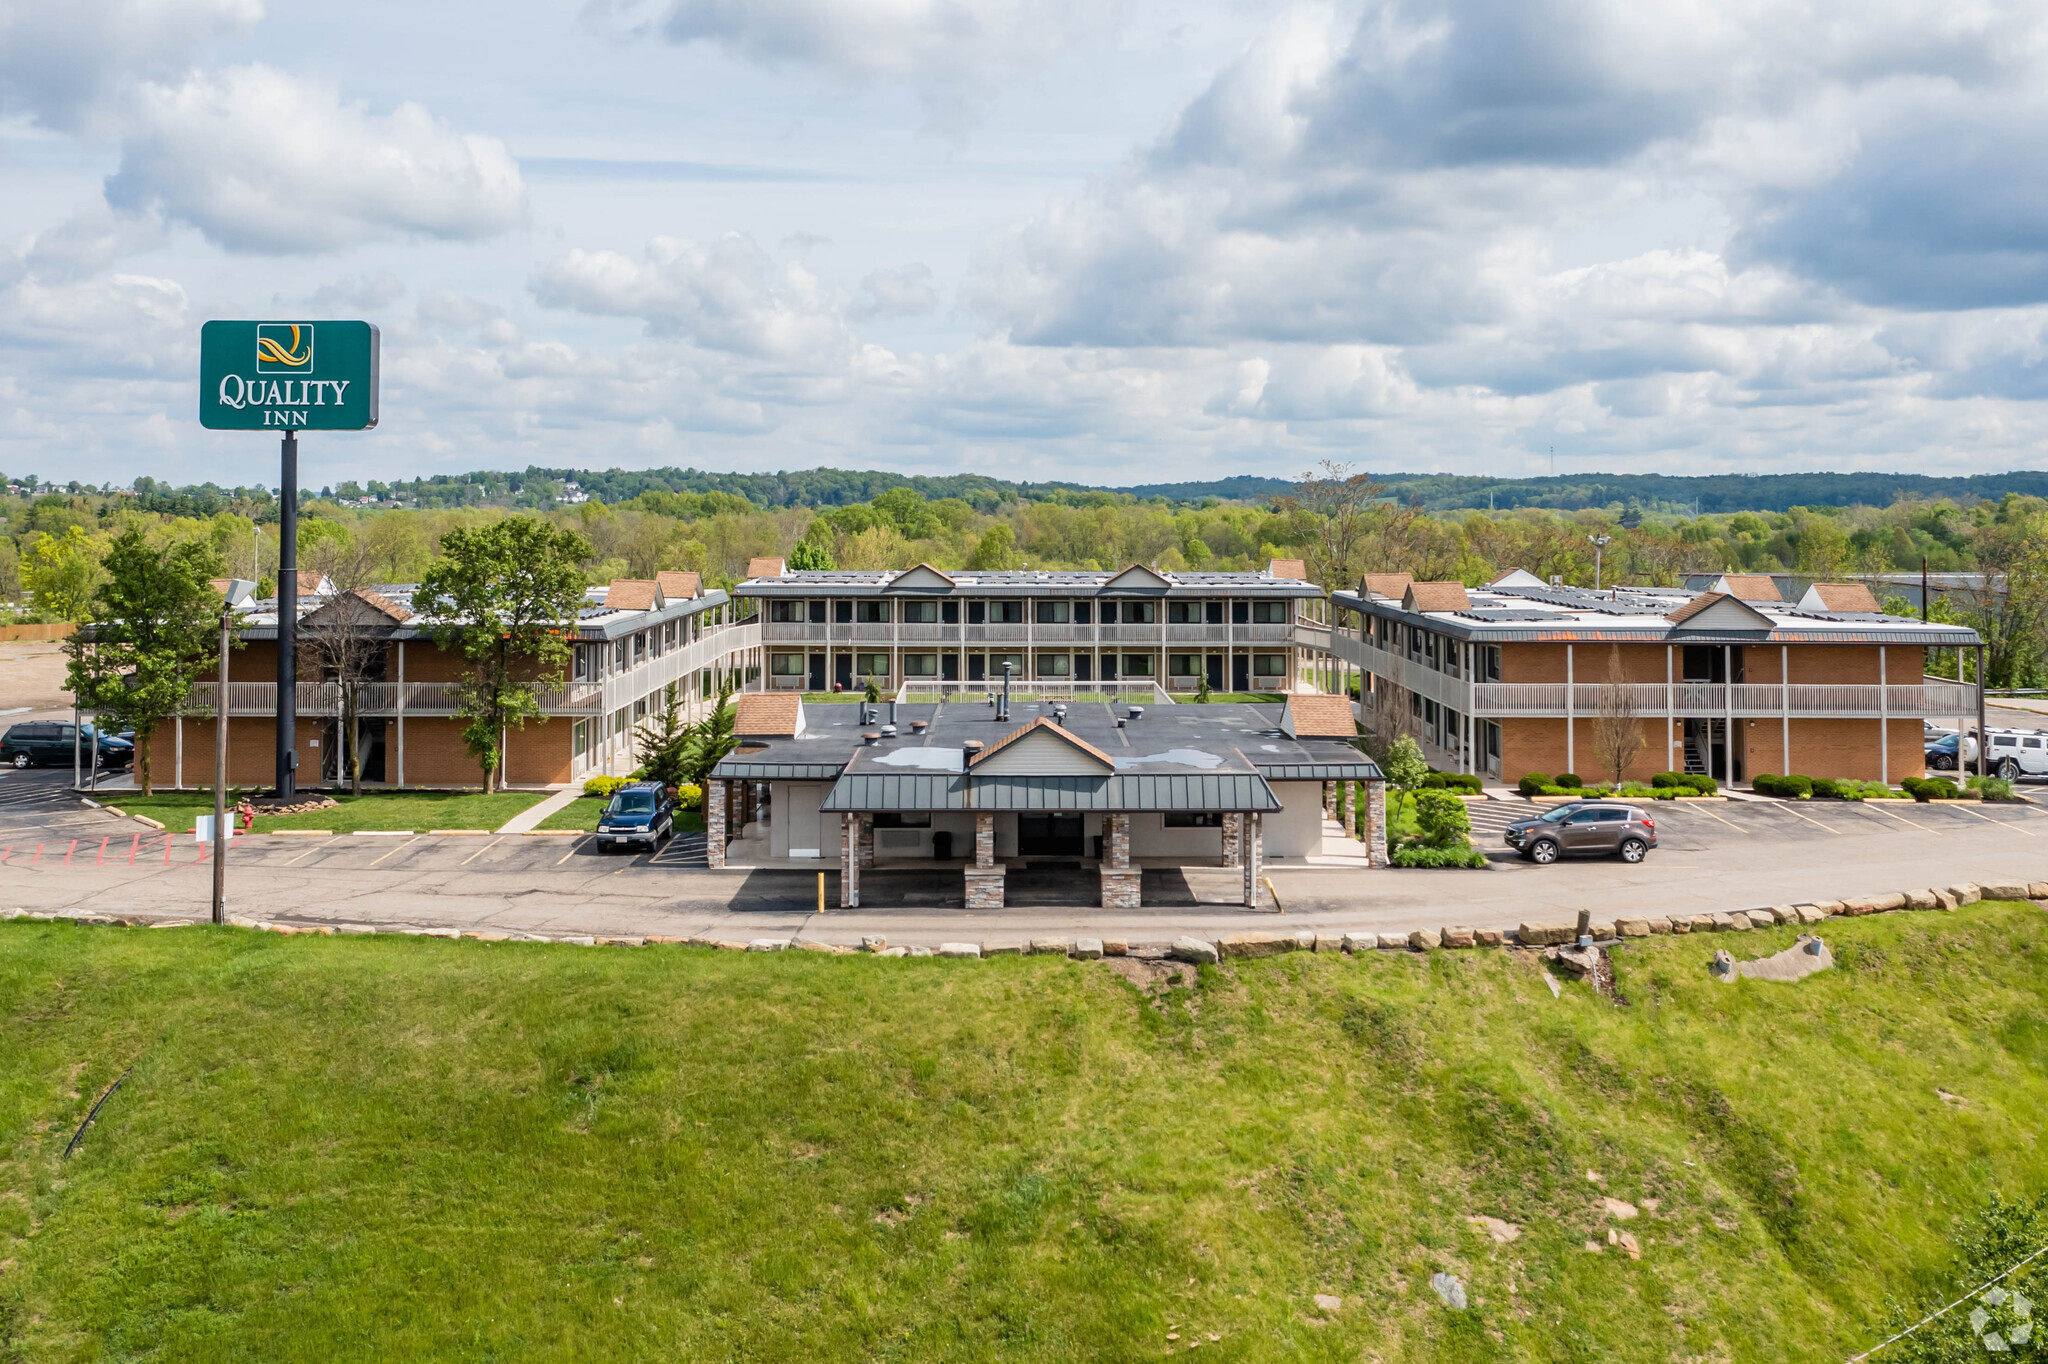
x,y
1599,543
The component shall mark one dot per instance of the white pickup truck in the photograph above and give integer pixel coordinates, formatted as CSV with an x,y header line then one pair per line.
x,y
2015,753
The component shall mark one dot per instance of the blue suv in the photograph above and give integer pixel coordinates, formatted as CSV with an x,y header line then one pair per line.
x,y
641,813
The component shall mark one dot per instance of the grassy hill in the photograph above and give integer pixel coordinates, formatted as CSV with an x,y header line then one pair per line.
x,y
389,1148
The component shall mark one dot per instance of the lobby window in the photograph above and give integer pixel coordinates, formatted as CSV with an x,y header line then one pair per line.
x,y
1194,819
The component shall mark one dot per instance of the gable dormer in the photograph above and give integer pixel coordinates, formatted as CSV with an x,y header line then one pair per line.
x,y
923,578
1042,749
1137,578
1718,611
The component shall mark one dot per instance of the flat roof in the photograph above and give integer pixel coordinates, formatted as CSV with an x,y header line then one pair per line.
x,y
1221,756
1023,583
594,620
1510,614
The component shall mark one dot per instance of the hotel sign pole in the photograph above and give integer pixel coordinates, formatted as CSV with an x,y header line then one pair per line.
x,y
288,377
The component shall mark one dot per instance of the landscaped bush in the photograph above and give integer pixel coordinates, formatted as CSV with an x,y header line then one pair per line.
x,y
1790,786
1570,781
690,797
1441,819
1534,784
1452,781
604,787
1996,789
1683,781
1417,855
1926,789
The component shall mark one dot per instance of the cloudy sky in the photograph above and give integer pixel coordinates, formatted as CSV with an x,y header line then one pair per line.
x,y
1107,240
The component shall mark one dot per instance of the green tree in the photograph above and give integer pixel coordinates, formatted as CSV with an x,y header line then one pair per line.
x,y
504,594
1405,766
156,623
61,574
662,741
1984,1247
808,556
1442,820
997,550
710,739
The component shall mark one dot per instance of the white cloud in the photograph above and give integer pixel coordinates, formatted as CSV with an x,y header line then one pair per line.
x,y
726,294
904,292
263,162
66,61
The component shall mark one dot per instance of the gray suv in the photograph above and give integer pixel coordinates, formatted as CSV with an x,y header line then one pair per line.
x,y
1584,829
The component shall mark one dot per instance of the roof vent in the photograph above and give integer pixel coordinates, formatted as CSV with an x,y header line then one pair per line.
x,y
917,726
870,737
970,749
1137,712
888,731
1119,722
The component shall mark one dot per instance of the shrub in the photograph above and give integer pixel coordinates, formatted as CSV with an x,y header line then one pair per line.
x,y
1534,784
604,787
1452,781
690,797
1990,788
1789,786
1405,767
1695,781
1442,820
1829,789
1417,856
1569,780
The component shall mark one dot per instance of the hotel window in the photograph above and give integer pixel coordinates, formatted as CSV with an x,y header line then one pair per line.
x,y
871,612
817,612
1140,612
786,612
640,709
619,656
1183,665
920,613
842,613
1052,613
1054,665
1490,666
1184,613
786,665
996,662
1269,665
1109,613
1082,611
640,648
584,663
920,665
1193,819
1269,613
977,612
1138,665
871,665
1212,612
1240,613
580,737
1006,613
949,613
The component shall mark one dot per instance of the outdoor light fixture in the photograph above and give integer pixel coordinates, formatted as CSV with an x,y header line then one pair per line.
x,y
1599,542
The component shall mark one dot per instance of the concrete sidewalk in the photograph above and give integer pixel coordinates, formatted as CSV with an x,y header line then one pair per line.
x,y
531,817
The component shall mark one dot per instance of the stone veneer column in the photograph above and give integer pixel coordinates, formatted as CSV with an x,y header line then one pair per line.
x,y
867,842
849,861
714,823
984,877
1347,805
1121,882
1254,845
1376,822
1233,839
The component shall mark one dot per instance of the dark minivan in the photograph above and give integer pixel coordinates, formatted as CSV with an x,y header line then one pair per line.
x,y
40,743
1584,829
641,813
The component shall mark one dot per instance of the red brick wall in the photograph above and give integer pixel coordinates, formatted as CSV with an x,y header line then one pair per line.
x,y
540,754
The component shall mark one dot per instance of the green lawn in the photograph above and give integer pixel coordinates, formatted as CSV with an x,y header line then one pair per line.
x,y
1252,697
582,812
408,1149
416,810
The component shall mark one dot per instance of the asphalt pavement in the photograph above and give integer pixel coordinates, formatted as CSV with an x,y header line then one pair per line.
x,y
57,854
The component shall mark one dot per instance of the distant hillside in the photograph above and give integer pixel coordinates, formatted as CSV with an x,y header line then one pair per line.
x,y
1708,493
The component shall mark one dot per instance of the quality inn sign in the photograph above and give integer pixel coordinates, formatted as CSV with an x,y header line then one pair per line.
x,y
288,376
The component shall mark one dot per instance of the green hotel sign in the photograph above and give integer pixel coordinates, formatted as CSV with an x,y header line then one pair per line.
x,y
288,376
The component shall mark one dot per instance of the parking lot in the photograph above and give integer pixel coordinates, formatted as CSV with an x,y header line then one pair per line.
x,y
58,854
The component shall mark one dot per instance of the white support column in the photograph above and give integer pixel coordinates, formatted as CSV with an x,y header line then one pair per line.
x,y
1670,708
1727,715
1785,705
178,764
1884,723
401,713
1571,758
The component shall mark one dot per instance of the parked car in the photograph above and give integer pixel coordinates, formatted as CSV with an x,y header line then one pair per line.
x,y
641,813
43,743
1584,829
2015,753
1941,753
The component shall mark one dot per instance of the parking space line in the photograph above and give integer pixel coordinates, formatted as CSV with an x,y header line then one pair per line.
x,y
572,849
1729,822
478,853
1878,807
2001,823
1787,808
400,848
311,848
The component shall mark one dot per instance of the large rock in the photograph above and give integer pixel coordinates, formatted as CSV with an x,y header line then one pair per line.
x,y
960,949
2007,890
1487,937
1087,949
1680,923
1968,893
1603,930
1884,904
1546,935
1329,942
1115,947
1048,947
1361,942
2037,890
1003,947
1257,944
1577,960
1422,939
1459,937
1193,950
1706,923
1944,899
1811,914
1921,899
1729,923
1856,909
1632,928
1829,908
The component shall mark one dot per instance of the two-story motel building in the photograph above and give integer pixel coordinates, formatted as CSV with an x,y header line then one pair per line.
x,y
630,643
836,630
1510,678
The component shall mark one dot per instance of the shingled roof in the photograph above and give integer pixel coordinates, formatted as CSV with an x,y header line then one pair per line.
x,y
1318,716
1393,585
766,568
1296,569
1749,586
768,714
1043,724
1840,598
679,585
632,594
1436,597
